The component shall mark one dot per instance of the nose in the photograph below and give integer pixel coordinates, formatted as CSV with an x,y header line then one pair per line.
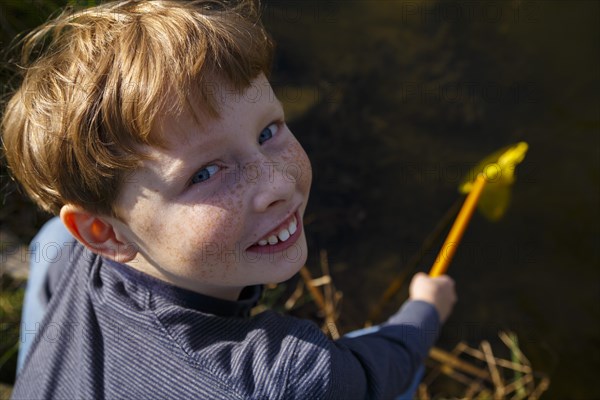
x,y
275,186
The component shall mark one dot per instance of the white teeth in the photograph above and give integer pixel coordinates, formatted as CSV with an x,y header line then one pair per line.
x,y
292,227
282,235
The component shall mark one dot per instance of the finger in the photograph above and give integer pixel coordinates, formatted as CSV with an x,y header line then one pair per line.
x,y
445,278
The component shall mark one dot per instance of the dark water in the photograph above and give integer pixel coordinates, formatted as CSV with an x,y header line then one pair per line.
x,y
395,101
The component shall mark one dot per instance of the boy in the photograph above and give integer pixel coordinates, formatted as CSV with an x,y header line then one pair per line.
x,y
151,128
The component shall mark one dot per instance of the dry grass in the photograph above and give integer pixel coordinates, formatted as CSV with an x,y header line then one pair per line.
x,y
464,372
482,375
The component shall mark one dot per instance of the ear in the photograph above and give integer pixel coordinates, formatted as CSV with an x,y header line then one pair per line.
x,y
97,233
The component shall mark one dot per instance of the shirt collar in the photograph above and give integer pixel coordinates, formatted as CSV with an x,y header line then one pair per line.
x,y
165,292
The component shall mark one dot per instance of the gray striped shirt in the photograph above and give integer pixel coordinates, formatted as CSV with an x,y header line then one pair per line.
x,y
112,332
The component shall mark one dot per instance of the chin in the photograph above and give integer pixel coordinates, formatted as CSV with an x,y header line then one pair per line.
x,y
290,272
288,268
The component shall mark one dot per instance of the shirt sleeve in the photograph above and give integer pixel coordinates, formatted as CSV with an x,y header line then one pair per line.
x,y
378,365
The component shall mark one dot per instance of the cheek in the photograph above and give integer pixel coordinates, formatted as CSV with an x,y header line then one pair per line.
x,y
214,225
297,166
307,170
184,229
198,236
208,223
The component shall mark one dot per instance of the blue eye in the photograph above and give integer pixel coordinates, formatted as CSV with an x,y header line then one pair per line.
x,y
204,174
267,133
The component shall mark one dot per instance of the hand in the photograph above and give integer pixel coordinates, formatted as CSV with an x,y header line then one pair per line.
x,y
437,291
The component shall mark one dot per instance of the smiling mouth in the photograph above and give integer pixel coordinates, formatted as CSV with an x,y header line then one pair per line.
x,y
281,235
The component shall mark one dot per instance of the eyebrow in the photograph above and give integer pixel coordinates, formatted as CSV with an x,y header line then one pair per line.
x,y
176,174
169,173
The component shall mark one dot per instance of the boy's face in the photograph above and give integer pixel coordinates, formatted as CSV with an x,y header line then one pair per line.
x,y
200,211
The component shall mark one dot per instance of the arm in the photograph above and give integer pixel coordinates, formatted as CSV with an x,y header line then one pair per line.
x,y
380,364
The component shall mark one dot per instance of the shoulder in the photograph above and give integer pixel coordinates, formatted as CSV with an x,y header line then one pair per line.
x,y
266,356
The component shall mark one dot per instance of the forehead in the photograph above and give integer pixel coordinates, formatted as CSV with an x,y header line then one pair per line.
x,y
230,108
